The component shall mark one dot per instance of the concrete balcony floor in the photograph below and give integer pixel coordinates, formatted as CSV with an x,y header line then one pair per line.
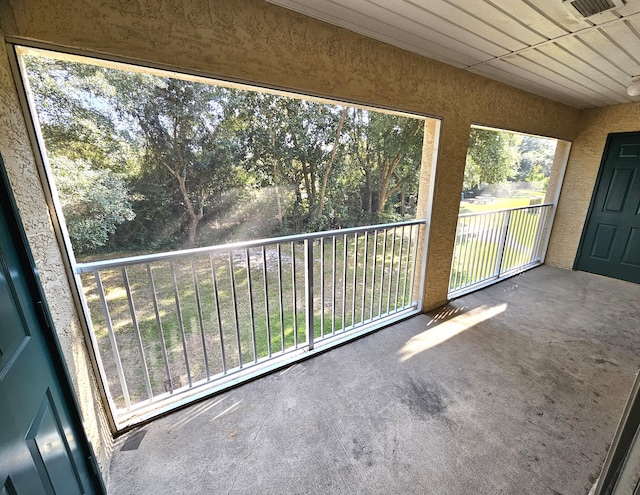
x,y
515,389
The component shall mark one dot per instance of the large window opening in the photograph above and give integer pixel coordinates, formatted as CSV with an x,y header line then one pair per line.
x,y
505,170
216,227
506,207
148,161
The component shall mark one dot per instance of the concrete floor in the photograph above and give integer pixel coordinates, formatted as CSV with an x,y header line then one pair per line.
x,y
515,389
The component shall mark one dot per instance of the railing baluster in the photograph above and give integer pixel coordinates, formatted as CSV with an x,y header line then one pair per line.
x,y
534,220
415,263
266,300
395,306
254,344
112,340
504,232
295,294
364,275
495,252
393,254
281,298
453,273
308,286
469,251
200,319
464,247
214,277
136,329
180,322
486,245
374,273
383,265
156,309
333,286
232,275
355,279
478,248
406,270
510,243
345,245
322,287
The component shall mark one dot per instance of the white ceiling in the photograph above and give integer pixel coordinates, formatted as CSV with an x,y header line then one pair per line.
x,y
535,45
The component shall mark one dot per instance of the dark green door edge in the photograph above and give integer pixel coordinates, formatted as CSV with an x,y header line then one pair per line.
x,y
43,446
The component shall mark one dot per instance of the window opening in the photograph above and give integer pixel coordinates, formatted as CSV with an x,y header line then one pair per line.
x,y
216,226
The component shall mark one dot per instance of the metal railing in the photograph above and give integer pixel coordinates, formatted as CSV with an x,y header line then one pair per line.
x,y
497,244
167,324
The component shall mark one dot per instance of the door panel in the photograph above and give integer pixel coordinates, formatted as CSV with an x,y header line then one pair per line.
x,y
611,240
43,449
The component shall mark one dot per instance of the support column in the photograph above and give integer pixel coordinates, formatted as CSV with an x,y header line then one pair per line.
x,y
439,202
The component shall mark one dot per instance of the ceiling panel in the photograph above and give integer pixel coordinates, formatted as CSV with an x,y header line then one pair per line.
x,y
409,26
460,19
492,16
517,78
553,9
532,17
582,51
587,73
423,17
527,64
605,45
535,45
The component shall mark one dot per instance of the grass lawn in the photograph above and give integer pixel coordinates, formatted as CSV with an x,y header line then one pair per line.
x,y
215,331
477,248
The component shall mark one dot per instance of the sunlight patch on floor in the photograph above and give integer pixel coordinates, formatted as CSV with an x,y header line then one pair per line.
x,y
441,332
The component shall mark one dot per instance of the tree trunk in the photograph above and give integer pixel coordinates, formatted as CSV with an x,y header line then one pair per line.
x,y
276,183
336,143
278,199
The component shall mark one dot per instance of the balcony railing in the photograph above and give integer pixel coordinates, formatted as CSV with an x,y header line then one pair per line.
x,y
172,327
497,244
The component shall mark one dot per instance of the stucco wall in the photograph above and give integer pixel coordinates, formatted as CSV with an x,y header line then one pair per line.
x,y
21,168
580,177
254,41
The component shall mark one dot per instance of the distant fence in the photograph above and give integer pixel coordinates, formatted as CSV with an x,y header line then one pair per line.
x,y
496,244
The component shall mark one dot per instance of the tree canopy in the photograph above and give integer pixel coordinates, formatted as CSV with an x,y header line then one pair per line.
x,y
152,162
495,157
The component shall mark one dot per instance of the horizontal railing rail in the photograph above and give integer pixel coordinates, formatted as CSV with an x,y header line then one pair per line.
x,y
492,245
166,324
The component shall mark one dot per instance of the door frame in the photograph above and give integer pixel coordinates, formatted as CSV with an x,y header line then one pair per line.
x,y
36,292
59,229
605,153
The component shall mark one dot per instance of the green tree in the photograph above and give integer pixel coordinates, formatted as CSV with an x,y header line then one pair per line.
x,y
189,134
536,158
491,157
93,202
388,150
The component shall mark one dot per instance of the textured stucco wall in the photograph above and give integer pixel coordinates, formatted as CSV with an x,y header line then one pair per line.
x,y
254,41
22,171
580,177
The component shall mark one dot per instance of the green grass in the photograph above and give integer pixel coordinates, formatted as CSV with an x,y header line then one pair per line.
x,y
205,345
482,250
520,198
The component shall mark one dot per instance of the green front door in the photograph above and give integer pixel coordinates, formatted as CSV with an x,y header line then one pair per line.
x,y
611,239
43,449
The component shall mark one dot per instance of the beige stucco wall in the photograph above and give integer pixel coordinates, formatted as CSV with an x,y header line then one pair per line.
x,y
580,177
21,168
254,41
